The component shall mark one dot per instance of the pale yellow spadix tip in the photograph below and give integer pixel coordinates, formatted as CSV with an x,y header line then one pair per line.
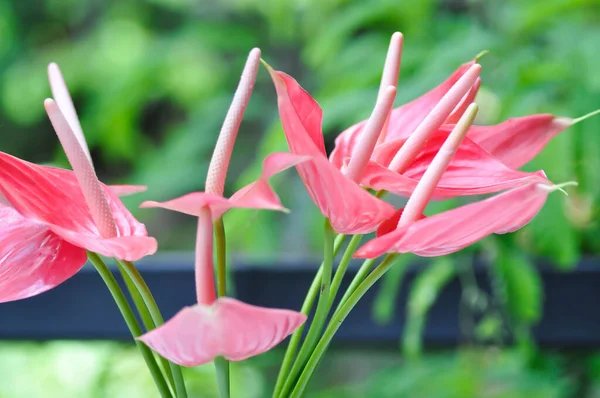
x,y
558,187
481,55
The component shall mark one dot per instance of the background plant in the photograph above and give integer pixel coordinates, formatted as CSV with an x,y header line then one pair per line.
x,y
152,82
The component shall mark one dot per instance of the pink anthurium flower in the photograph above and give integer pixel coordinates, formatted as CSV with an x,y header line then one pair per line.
x,y
51,216
453,230
337,193
405,119
225,326
485,163
405,145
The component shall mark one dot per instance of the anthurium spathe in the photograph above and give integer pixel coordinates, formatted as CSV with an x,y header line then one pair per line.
x,y
51,216
34,259
349,208
458,228
228,328
516,141
256,195
224,326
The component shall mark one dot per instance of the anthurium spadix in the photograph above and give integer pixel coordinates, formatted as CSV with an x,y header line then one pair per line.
x,y
51,216
224,326
61,96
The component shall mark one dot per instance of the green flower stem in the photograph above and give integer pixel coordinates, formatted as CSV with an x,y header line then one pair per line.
x,y
362,271
221,258
338,317
306,308
358,278
223,381
129,317
141,286
343,267
147,321
221,364
321,312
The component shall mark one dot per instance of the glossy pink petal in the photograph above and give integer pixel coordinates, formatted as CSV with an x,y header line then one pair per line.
x,y
257,195
229,328
349,207
32,258
406,118
52,196
472,171
126,190
456,229
517,141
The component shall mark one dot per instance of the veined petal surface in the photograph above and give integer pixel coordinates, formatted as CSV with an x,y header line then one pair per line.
x,y
256,195
349,208
229,328
516,141
33,259
52,196
472,171
453,230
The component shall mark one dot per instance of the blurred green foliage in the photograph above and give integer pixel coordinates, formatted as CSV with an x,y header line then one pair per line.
x,y
102,370
152,81
469,374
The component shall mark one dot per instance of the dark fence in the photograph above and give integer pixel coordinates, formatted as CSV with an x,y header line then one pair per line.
x,y
82,308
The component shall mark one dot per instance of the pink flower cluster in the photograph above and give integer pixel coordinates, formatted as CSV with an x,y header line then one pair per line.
x,y
425,150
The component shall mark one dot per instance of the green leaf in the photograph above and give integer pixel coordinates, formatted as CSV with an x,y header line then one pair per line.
x,y
385,302
422,295
523,289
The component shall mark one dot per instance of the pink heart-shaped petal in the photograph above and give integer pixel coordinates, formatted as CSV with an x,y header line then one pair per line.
x,y
228,328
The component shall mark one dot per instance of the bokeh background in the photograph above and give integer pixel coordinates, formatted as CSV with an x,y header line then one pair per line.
x,y
152,81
